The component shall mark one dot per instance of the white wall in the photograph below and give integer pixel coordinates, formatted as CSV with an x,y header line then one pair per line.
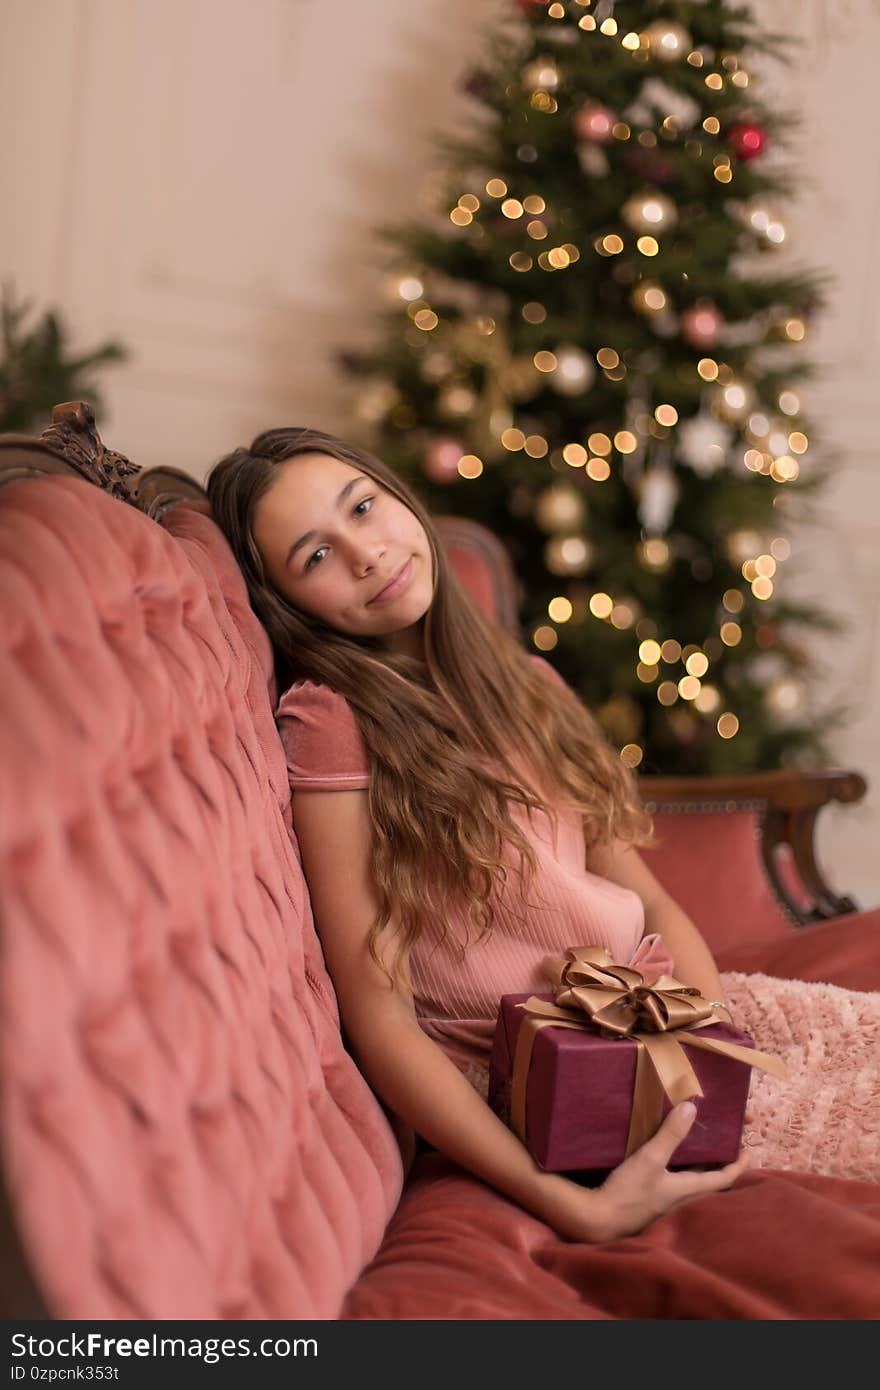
x,y
200,177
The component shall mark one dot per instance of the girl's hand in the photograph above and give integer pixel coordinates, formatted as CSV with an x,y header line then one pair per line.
x,y
641,1188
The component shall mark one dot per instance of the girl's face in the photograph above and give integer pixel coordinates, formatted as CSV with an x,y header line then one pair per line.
x,y
338,546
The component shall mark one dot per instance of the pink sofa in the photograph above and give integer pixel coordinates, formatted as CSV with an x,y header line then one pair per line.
x,y
184,1134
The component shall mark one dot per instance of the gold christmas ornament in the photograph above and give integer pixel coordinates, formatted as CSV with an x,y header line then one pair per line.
x,y
649,212
735,400
541,75
520,378
375,400
567,555
457,399
574,372
649,298
559,508
667,40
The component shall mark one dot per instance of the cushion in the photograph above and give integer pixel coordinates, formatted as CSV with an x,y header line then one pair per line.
x,y
710,863
176,1098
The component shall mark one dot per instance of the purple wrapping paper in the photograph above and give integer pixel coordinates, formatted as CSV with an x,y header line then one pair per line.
x,y
580,1088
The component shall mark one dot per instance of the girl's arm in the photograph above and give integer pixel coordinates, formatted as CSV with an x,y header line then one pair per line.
x,y
423,1087
693,960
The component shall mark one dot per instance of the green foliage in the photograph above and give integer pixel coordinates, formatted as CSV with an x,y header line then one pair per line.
x,y
36,371
669,529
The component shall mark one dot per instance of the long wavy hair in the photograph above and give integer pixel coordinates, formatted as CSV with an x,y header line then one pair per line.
x,y
451,741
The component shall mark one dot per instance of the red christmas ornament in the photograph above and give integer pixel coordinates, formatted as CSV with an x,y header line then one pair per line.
x,y
593,122
747,139
701,325
440,463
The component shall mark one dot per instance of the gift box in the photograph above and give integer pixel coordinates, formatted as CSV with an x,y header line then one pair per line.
x,y
580,1086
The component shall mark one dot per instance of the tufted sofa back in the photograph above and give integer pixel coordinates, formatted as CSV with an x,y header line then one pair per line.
x,y
183,1134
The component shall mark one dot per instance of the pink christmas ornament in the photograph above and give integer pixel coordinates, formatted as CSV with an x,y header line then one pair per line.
x,y
747,139
593,122
440,463
701,325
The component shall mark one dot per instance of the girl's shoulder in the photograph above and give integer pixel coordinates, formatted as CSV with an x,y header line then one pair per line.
x,y
549,671
322,740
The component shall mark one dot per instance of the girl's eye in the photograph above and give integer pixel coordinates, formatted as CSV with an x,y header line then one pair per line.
x,y
359,510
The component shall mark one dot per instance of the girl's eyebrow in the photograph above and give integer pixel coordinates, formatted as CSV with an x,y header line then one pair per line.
x,y
309,535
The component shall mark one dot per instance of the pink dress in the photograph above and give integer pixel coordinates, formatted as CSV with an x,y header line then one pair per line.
x,y
456,996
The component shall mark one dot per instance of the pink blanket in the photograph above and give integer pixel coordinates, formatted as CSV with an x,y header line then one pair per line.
x,y
826,1117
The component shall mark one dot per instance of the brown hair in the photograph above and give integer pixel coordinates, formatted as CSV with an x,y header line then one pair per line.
x,y
434,730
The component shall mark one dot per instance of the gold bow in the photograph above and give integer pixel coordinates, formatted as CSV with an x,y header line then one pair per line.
x,y
593,993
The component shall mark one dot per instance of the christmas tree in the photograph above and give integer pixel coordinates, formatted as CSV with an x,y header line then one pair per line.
x,y
593,353
37,371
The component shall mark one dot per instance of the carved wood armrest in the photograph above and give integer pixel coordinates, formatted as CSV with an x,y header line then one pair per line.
x,y
787,803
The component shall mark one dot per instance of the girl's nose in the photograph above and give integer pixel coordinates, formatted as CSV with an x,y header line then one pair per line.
x,y
365,554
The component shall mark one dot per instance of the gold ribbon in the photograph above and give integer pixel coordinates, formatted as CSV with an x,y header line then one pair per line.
x,y
595,994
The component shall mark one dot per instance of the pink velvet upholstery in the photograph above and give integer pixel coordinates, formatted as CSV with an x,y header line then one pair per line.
x,y
176,1098
710,863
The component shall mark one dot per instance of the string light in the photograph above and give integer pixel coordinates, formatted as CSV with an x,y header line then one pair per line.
x,y
560,609
697,664
545,638
410,288
728,725
622,616
599,470
631,754
469,466
601,605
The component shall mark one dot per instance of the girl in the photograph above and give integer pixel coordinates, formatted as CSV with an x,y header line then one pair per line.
x,y
458,812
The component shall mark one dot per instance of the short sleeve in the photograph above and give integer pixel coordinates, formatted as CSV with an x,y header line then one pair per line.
x,y
549,671
322,741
